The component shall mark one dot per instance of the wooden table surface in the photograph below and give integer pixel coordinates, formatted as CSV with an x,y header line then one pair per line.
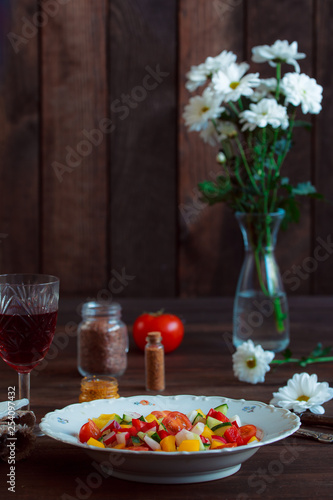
x,y
202,365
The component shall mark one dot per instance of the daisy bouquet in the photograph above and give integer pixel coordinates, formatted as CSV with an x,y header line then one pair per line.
x,y
251,121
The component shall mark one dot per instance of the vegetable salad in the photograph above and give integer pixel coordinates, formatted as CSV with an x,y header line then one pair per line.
x,y
169,431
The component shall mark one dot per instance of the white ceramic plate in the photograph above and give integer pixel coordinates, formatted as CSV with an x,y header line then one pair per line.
x,y
170,467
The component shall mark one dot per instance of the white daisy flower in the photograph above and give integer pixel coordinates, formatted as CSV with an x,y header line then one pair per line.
x,y
201,109
250,362
280,51
220,62
231,83
266,88
198,75
302,90
303,392
266,112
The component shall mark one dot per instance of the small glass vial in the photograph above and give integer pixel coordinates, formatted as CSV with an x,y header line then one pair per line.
x,y
102,340
154,363
102,387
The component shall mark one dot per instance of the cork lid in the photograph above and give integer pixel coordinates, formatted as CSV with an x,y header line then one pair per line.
x,y
154,336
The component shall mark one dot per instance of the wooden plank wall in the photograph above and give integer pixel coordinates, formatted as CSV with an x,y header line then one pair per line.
x,y
98,172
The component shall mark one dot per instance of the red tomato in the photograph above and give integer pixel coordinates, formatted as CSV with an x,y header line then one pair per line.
x,y
247,431
89,430
160,414
170,326
176,421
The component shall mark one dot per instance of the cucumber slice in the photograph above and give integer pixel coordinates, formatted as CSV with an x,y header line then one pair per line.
x,y
220,429
199,418
127,418
156,437
141,435
222,408
136,440
211,422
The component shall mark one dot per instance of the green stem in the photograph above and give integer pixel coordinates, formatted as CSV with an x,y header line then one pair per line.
x,y
308,361
246,165
278,79
233,107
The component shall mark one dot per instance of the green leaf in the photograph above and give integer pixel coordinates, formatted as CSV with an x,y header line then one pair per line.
x,y
304,189
301,123
287,354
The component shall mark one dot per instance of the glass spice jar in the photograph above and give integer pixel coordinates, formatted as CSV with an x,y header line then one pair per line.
x,y
102,387
102,340
154,362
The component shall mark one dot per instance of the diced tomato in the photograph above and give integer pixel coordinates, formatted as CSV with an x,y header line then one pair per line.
x,y
162,434
175,421
148,426
218,415
247,432
235,424
89,430
138,424
232,435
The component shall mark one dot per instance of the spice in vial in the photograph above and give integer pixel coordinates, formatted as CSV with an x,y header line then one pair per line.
x,y
154,361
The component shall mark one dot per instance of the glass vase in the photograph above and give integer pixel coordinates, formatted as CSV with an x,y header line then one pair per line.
x,y
260,306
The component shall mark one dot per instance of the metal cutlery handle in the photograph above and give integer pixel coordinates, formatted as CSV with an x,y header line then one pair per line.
x,y
322,437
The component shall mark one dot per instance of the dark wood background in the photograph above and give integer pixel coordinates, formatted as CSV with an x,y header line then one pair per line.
x,y
123,215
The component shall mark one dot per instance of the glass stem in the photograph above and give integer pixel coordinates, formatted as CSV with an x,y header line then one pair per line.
x,y
24,388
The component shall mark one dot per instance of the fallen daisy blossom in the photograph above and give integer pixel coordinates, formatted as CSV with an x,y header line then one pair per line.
x,y
250,362
303,392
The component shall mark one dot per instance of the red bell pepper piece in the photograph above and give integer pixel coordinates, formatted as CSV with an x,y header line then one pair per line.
x,y
162,434
138,424
232,435
218,415
132,430
148,426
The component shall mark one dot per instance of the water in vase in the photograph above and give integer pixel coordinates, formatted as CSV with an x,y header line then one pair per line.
x,y
263,319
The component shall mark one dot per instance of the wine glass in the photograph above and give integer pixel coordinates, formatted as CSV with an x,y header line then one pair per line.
x,y
28,316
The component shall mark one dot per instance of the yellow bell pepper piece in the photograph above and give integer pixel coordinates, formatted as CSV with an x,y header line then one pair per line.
x,y
94,442
253,440
168,443
119,446
216,444
125,426
202,413
189,445
207,433
150,418
103,419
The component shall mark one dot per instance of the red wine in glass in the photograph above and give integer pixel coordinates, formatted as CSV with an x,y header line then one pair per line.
x,y
28,316
25,339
